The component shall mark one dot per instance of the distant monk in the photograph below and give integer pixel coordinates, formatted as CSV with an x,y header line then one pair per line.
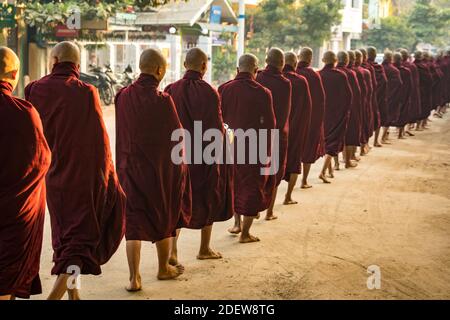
x,y
414,111
365,84
405,100
381,89
85,200
437,81
374,121
212,196
247,105
426,84
280,87
299,122
352,136
315,144
24,161
157,189
394,93
337,110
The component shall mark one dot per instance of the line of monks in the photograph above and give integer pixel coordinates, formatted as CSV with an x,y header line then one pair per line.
x,y
56,151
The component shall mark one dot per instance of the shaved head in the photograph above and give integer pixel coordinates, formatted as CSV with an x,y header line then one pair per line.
x,y
388,55
306,55
405,54
418,55
9,66
153,62
65,51
351,56
364,54
372,52
398,59
290,58
275,58
427,55
196,60
329,57
248,63
358,57
342,57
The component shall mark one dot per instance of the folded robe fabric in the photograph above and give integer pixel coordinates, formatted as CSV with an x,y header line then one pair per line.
x,y
25,159
353,134
281,90
426,83
158,189
394,94
405,99
374,121
212,189
315,144
381,116
415,109
247,105
365,83
299,120
85,200
337,108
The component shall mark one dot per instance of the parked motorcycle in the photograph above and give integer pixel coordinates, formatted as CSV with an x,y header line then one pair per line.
x,y
102,81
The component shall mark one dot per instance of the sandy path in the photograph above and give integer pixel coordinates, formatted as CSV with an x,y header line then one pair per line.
x,y
392,211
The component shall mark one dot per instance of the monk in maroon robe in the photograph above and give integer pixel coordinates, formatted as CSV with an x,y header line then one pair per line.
x,y
375,115
337,110
24,161
426,83
315,145
352,136
272,78
198,103
405,98
85,200
414,110
247,105
299,122
151,168
394,92
437,81
381,116
364,76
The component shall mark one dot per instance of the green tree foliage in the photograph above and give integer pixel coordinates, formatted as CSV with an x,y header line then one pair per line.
x,y
291,24
224,60
393,33
430,23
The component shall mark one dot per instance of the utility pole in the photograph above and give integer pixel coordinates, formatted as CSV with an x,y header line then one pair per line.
x,y
241,29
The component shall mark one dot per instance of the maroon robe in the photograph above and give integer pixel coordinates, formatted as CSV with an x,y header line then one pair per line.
x,y
299,120
437,84
25,159
375,121
353,135
381,115
212,190
248,105
337,108
365,77
281,90
158,190
405,99
315,145
415,109
426,83
394,94
85,200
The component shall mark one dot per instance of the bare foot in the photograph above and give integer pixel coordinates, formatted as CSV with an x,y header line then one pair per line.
x,y
173,261
322,177
351,165
378,145
336,167
172,272
289,201
305,186
134,285
248,239
270,216
409,133
330,175
210,254
356,158
234,230
258,216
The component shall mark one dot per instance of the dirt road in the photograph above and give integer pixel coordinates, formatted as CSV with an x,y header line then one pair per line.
x,y
392,211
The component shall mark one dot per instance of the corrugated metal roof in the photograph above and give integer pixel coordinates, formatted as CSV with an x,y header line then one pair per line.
x,y
184,13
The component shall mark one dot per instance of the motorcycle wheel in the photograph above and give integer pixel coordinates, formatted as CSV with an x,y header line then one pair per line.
x,y
108,95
